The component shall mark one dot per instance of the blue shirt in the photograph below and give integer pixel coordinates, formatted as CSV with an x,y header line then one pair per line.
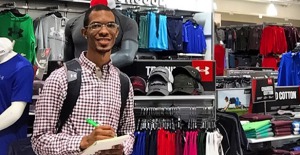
x,y
289,70
193,38
158,34
16,84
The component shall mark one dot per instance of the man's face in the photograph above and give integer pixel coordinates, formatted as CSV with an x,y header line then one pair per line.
x,y
102,31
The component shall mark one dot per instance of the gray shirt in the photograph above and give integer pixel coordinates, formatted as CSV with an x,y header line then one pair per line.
x,y
50,33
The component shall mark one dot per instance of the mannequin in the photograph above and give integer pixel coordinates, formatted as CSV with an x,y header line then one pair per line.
x,y
15,93
126,44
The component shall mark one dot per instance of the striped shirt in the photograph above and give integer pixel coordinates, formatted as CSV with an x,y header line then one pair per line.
x,y
99,99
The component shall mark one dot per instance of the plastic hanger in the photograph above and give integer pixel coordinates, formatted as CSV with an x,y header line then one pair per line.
x,y
56,13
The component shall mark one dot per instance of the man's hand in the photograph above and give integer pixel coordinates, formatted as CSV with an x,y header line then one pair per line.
x,y
101,132
116,150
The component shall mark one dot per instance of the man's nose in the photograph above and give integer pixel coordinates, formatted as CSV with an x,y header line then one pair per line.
x,y
104,31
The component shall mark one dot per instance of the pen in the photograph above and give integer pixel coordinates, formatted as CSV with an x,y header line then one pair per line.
x,y
92,122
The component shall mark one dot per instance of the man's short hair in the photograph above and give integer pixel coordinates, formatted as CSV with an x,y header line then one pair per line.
x,y
94,8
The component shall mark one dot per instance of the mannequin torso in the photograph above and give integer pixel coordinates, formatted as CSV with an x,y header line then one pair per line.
x,y
7,56
16,84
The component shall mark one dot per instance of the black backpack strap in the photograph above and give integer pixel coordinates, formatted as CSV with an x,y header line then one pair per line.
x,y
73,70
124,80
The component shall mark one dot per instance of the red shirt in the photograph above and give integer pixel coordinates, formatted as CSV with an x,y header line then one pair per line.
x,y
273,40
219,57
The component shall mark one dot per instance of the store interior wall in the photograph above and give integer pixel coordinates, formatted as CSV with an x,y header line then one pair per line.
x,y
244,7
205,16
243,11
253,19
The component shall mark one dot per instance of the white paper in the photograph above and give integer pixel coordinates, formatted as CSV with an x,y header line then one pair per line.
x,y
104,144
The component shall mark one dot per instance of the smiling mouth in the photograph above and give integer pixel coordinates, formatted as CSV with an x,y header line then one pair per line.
x,y
103,40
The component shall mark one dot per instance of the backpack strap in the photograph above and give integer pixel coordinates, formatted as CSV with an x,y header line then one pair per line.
x,y
124,80
73,69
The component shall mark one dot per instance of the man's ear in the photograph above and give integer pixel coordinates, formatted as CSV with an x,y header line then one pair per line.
x,y
84,33
117,33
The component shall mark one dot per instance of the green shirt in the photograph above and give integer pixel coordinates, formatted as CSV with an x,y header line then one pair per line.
x,y
255,125
262,135
21,30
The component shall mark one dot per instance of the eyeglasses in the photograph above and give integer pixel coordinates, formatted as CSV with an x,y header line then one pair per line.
x,y
98,26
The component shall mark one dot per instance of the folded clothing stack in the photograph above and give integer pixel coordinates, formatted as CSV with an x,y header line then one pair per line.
x,y
296,127
282,128
259,129
255,117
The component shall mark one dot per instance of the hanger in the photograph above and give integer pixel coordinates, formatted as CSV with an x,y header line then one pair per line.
x,y
56,13
297,48
14,11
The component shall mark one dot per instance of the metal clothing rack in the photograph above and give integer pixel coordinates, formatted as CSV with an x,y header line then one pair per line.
x,y
169,117
277,24
252,73
240,26
12,5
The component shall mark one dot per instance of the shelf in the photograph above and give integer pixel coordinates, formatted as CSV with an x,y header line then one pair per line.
x,y
260,140
191,54
170,98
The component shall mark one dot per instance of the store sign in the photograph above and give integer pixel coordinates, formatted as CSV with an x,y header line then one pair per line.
x,y
144,2
286,98
263,90
206,69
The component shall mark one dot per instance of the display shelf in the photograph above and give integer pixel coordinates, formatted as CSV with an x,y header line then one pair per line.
x,y
181,97
268,139
191,54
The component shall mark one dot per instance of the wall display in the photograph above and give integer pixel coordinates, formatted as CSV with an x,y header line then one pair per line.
x,y
286,97
206,68
188,5
263,90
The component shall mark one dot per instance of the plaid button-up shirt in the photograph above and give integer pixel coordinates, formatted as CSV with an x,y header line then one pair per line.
x,y
99,99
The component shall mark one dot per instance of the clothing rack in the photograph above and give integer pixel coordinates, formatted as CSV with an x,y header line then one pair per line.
x,y
252,73
167,117
240,26
12,5
277,24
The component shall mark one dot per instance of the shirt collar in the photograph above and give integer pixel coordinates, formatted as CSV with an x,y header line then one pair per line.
x,y
92,66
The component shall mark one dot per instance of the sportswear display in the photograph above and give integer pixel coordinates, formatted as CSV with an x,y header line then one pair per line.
x,y
50,33
19,29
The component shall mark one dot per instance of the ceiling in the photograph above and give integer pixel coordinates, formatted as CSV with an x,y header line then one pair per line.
x,y
280,2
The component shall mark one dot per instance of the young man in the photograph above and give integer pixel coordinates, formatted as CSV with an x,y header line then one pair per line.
x,y
126,44
99,99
